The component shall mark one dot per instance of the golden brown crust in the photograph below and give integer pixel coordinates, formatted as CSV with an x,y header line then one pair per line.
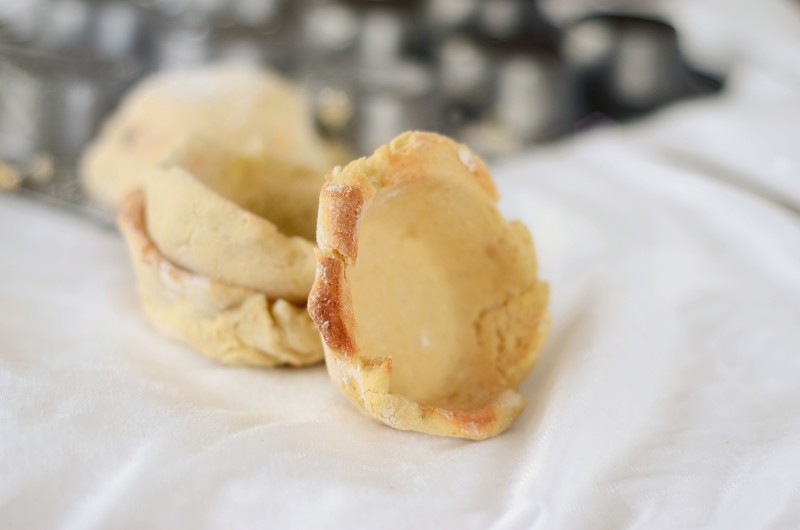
x,y
228,323
330,307
347,195
412,155
343,212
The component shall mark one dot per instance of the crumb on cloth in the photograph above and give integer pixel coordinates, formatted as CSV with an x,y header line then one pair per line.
x,y
10,178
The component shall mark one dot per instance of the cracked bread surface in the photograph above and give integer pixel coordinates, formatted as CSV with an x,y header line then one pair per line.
x,y
427,299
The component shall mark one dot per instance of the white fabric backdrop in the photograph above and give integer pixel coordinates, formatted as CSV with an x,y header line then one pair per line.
x,y
668,396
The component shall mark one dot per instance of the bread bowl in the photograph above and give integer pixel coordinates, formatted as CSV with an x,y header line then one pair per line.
x,y
427,299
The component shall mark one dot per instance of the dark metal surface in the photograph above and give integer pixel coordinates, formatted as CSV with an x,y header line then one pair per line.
x,y
496,74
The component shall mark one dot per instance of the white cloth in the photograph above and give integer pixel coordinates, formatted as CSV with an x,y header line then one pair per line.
x,y
667,396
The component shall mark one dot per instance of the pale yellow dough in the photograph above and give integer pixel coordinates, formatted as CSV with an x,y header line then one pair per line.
x,y
221,244
427,299
231,324
236,107
229,166
243,218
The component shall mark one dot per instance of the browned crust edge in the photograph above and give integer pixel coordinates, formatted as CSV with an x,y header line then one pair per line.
x,y
344,206
131,221
330,306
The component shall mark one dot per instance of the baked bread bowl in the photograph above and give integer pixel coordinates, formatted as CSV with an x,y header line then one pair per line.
x,y
220,246
427,299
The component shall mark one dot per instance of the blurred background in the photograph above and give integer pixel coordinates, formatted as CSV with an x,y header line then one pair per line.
x,y
501,75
